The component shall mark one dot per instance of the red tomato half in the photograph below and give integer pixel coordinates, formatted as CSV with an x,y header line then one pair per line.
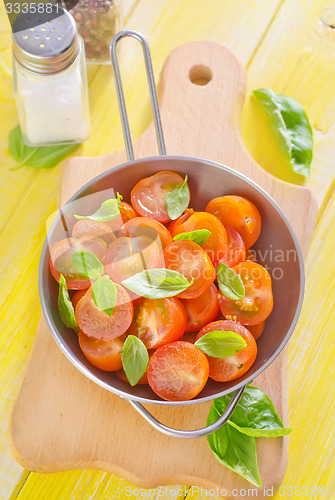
x,y
104,354
191,261
256,330
239,213
257,303
178,371
88,227
140,226
148,195
158,321
77,296
232,367
95,323
202,310
235,250
128,256
217,242
61,255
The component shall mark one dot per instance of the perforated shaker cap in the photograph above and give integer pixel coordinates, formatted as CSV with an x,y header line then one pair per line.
x,y
45,43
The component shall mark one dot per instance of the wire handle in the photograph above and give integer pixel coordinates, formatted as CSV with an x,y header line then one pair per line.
x,y
204,431
152,91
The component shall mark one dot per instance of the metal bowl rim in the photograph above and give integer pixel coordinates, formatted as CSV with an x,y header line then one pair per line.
x,y
122,394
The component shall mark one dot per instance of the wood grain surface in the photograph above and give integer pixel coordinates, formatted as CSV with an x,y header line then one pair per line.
x,y
72,422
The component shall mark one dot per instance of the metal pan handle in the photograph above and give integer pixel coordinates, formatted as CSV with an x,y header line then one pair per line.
x,y
152,90
130,154
169,431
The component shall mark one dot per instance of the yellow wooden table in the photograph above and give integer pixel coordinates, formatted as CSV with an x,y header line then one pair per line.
x,y
286,45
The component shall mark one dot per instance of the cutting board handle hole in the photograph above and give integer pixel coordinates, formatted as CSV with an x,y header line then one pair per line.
x,y
200,75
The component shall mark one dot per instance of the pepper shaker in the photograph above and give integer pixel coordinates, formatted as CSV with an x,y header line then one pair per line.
x,y
49,78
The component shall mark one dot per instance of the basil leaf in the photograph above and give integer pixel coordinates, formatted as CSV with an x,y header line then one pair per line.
x,y
291,124
87,264
255,414
108,210
157,283
36,157
65,306
220,344
230,282
177,200
233,449
104,293
135,359
199,236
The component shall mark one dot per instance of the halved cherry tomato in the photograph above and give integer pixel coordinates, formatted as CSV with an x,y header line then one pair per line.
x,y
95,323
127,212
61,255
232,367
183,218
202,310
140,226
235,251
158,321
256,330
77,296
217,242
178,371
128,256
257,303
191,261
239,213
148,195
88,227
104,354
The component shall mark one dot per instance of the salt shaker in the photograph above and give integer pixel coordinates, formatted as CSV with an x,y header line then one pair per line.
x,y
49,78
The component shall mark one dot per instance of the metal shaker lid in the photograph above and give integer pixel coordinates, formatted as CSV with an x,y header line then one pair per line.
x,y
45,42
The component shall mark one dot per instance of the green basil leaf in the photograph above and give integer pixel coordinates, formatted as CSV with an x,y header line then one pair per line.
x,y
87,264
220,344
233,449
157,283
291,124
177,200
135,359
230,283
36,157
199,236
108,210
104,293
65,306
255,414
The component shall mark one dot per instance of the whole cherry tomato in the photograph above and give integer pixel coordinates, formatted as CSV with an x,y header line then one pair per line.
x,y
202,310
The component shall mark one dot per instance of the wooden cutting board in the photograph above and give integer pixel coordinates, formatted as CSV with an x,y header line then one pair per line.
x,y
61,420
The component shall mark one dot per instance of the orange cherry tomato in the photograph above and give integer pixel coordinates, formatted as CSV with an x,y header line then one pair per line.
x,y
240,214
190,260
235,250
178,371
77,296
104,354
127,212
256,330
148,195
158,321
128,256
183,218
217,242
257,303
202,310
61,255
88,227
95,323
140,226
232,367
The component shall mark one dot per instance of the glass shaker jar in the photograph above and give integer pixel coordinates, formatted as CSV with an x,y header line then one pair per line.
x,y
97,22
49,78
